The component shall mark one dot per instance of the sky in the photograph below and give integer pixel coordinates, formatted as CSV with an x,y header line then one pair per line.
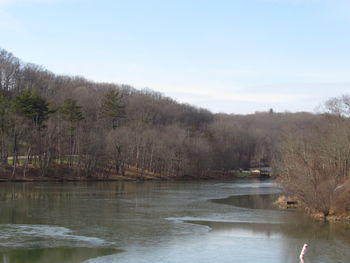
x,y
232,56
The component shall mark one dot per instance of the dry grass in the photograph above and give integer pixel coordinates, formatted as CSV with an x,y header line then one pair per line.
x,y
282,202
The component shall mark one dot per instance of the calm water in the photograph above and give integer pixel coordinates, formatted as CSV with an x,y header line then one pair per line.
x,y
159,222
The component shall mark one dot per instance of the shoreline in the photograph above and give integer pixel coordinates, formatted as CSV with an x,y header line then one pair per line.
x,y
132,174
343,217
118,178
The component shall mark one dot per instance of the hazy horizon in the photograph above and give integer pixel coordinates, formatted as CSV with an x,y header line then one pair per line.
x,y
228,56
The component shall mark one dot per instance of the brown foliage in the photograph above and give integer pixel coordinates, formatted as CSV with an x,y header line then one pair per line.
x,y
313,162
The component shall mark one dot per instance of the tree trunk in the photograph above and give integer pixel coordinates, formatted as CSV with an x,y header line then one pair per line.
x,y
27,161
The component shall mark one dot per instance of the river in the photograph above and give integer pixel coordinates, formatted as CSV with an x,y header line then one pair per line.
x,y
160,222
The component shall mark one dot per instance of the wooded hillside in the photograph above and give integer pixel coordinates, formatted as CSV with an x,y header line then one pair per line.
x,y
49,121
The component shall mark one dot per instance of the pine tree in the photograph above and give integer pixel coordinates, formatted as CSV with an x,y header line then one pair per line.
x,y
112,108
6,122
33,107
71,112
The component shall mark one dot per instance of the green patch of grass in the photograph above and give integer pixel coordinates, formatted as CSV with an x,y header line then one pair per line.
x,y
241,174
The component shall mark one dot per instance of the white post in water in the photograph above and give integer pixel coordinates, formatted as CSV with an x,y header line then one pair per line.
x,y
303,252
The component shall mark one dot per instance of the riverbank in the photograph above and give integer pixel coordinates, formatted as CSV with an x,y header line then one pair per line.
x,y
285,203
59,174
334,217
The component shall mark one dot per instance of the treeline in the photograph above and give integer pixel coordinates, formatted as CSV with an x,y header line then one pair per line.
x,y
313,162
98,129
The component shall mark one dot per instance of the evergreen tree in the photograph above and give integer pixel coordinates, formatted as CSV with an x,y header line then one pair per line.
x,y
112,107
33,107
71,112
6,121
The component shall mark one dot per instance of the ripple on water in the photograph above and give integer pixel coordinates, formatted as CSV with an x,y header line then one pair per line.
x,y
43,243
18,235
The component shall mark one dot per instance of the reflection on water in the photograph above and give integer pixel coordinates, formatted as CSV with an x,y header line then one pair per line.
x,y
161,222
264,201
53,255
252,230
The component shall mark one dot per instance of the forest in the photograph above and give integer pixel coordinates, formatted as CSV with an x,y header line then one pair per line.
x,y
92,128
52,124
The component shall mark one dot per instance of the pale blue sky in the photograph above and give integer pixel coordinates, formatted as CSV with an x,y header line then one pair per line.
x,y
234,56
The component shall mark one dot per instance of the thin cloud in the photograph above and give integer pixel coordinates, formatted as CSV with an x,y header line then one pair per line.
x,y
234,96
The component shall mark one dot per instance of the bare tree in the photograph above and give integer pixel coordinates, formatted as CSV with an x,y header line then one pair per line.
x,y
312,163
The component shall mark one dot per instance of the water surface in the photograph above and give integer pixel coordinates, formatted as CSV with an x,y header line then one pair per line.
x,y
163,222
